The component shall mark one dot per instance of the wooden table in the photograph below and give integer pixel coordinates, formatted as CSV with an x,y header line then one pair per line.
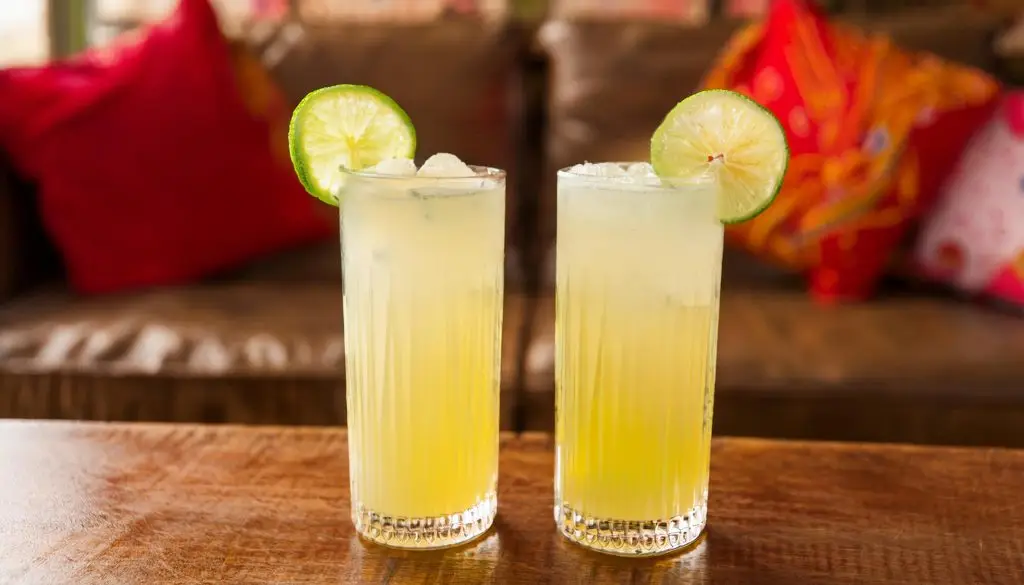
x,y
121,504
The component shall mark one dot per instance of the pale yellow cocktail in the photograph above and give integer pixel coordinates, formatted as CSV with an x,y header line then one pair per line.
x,y
639,261
638,278
423,280
423,265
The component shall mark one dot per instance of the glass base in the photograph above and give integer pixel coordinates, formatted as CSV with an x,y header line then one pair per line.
x,y
632,538
426,533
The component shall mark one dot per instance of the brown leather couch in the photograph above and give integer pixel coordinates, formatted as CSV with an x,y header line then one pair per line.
x,y
263,344
912,365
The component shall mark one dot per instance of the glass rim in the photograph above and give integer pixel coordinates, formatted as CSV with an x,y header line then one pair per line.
x,y
666,183
482,173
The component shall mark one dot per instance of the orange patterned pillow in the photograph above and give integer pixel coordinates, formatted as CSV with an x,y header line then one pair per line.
x,y
873,130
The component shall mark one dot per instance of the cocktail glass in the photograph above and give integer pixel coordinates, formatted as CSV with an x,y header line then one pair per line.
x,y
423,263
637,292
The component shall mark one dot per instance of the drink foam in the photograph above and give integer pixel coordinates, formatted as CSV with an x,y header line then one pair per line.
x,y
638,173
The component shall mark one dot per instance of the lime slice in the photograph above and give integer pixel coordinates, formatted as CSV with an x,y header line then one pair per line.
x,y
350,126
732,136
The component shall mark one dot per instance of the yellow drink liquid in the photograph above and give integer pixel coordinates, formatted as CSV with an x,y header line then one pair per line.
x,y
638,280
423,271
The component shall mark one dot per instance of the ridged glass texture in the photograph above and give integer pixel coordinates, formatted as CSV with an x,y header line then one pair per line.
x,y
423,282
638,280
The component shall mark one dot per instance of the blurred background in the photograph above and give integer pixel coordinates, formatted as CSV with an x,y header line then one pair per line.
x,y
158,260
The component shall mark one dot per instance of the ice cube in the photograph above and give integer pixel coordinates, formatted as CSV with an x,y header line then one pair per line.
x,y
399,167
606,169
641,170
444,164
583,169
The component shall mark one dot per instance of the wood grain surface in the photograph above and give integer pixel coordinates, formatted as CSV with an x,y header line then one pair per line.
x,y
123,504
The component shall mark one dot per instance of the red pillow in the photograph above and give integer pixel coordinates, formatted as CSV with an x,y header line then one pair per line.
x,y
151,166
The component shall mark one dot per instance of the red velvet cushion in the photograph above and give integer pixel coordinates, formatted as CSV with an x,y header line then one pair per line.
x,y
151,165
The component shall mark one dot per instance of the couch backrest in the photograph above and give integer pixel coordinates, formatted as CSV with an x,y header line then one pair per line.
x,y
613,80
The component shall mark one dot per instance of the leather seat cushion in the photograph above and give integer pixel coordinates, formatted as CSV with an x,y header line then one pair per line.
x,y
918,367
55,348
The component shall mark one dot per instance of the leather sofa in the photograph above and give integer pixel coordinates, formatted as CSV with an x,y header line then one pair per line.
x,y
263,343
914,365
